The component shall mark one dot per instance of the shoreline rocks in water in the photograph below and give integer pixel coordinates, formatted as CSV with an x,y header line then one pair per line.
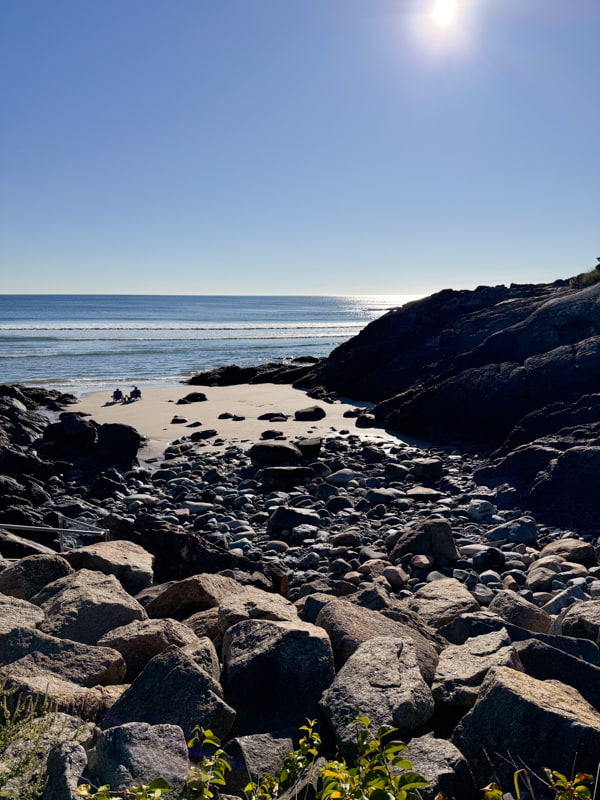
x,y
297,567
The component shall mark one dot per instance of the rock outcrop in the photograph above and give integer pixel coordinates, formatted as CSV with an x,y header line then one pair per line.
x,y
371,573
507,367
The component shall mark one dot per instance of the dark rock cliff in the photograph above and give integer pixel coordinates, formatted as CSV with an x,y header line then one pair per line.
x,y
513,368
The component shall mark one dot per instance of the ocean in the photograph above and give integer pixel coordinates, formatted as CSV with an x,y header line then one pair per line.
x,y
80,343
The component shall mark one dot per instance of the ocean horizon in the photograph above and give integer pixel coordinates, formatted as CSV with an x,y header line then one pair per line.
x,y
80,343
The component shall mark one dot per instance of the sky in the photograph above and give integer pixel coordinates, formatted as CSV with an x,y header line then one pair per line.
x,y
297,146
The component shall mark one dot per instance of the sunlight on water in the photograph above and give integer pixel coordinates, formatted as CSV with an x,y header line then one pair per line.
x,y
79,343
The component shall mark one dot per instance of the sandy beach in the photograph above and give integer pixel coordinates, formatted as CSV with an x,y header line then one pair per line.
x,y
152,415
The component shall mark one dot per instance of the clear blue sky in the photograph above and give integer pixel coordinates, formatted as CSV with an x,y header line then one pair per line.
x,y
296,146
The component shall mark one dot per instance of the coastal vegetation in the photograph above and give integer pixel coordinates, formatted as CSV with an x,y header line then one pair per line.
x,y
588,278
379,771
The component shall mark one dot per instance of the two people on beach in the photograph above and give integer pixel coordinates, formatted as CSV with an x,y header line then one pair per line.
x,y
119,397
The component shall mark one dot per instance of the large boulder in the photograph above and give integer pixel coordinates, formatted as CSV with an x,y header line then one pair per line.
x,y
518,718
173,689
253,756
137,753
581,620
482,622
29,575
518,611
349,625
171,545
288,665
382,679
443,765
86,605
192,397
287,518
205,624
572,550
28,753
118,444
517,531
14,546
543,661
462,668
441,601
44,689
64,768
127,561
75,437
310,414
72,435
180,599
204,653
70,660
272,453
430,537
255,603
141,640
16,613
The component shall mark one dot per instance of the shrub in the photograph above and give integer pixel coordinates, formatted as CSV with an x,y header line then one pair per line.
x,y
378,772
586,278
292,766
23,721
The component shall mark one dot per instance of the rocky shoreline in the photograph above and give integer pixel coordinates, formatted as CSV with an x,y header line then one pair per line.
x,y
248,589
510,370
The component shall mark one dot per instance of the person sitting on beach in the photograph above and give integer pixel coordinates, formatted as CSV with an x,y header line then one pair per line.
x,y
135,394
117,395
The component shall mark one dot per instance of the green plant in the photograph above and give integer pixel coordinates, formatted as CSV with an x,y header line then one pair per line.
x,y
271,786
209,770
578,788
588,278
378,772
152,791
24,720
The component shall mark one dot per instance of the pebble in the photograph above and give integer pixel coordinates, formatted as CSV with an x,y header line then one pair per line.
x,y
339,523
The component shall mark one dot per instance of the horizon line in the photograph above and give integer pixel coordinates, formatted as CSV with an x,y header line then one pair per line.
x,y
170,294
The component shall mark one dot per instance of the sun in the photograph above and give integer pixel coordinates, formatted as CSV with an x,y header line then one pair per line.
x,y
443,12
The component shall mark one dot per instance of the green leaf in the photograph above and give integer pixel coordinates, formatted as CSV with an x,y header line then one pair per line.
x,y
492,792
394,747
375,777
401,763
379,794
160,783
411,780
516,783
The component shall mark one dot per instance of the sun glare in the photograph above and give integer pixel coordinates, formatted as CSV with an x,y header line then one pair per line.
x,y
443,12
